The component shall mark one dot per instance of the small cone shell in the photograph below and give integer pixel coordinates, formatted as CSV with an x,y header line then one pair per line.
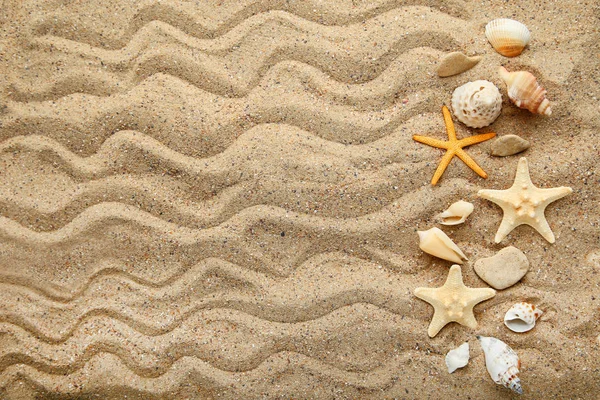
x,y
507,36
524,90
435,242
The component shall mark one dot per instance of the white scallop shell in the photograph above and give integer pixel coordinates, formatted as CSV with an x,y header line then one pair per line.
x,y
477,104
435,242
521,317
507,36
457,358
457,213
502,363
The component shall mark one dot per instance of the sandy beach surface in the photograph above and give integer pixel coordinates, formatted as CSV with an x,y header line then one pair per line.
x,y
220,199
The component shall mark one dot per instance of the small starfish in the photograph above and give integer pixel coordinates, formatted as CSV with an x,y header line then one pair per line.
x,y
524,203
453,302
454,147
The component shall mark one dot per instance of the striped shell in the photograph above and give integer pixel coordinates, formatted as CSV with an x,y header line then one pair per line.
x,y
507,36
502,363
524,90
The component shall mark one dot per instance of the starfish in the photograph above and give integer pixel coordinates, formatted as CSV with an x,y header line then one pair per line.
x,y
523,203
454,147
453,302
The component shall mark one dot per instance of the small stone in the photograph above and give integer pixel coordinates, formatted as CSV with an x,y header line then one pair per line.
x,y
456,62
508,145
504,269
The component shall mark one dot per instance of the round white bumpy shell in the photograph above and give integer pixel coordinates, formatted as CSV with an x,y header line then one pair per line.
x,y
477,104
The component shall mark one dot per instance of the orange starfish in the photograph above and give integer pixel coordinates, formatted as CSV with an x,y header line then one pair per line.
x,y
454,147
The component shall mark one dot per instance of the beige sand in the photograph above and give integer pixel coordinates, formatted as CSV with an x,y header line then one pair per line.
x,y
220,199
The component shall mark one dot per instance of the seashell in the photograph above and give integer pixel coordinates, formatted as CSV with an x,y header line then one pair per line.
x,y
457,213
521,317
456,62
477,104
502,363
507,36
525,92
457,358
437,243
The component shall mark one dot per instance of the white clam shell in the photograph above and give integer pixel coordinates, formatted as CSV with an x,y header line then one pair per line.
x,y
521,317
502,363
457,358
477,104
457,213
435,242
507,36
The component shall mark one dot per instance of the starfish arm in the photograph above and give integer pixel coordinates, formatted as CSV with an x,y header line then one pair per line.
x,y
475,139
438,321
495,196
444,162
480,294
454,277
426,294
468,319
553,194
522,176
471,163
449,124
506,226
542,226
440,144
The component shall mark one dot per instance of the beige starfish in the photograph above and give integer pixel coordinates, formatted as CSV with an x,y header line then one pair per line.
x,y
524,203
453,302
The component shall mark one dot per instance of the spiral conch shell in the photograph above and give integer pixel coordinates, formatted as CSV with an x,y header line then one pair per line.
x,y
502,363
457,213
507,36
525,92
435,242
521,317
477,104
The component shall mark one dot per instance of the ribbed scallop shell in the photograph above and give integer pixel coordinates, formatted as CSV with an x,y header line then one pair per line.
x,y
521,317
502,363
507,36
524,90
477,104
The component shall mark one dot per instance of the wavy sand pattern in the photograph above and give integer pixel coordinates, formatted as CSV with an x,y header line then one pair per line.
x,y
220,199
